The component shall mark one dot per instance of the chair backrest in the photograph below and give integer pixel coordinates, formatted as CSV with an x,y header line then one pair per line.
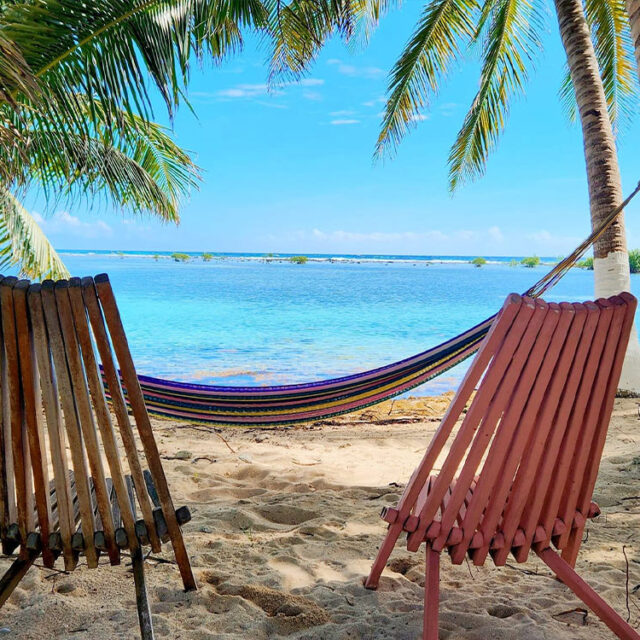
x,y
53,402
522,466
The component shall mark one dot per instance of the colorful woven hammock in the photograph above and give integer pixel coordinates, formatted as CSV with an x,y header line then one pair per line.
x,y
287,404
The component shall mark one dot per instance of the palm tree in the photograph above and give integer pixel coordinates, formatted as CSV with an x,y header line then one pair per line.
x,y
601,82
75,108
600,89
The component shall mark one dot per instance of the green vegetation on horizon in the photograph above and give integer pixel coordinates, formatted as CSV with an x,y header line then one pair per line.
x,y
181,257
207,257
298,259
530,262
478,262
634,261
587,263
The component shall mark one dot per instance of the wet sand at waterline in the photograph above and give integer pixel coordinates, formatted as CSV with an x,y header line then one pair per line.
x,y
285,525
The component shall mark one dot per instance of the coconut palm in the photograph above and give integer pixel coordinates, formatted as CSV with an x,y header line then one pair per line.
x,y
598,47
600,89
75,102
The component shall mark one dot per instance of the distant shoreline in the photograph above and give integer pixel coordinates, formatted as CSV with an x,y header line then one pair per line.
x,y
311,257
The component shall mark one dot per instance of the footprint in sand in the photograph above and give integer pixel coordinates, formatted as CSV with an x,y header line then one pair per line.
x,y
286,514
286,613
293,575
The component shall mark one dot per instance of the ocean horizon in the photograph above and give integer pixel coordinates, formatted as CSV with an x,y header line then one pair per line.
x,y
257,319
320,257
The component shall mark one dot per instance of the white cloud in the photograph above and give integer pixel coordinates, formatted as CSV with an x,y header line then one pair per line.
x,y
64,222
375,102
243,91
496,234
419,117
376,236
307,82
315,96
353,71
344,112
344,121
447,109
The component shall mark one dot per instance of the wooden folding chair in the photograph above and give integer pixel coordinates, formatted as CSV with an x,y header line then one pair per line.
x,y
52,399
520,471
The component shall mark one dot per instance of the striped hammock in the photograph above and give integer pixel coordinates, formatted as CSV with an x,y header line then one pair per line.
x,y
287,404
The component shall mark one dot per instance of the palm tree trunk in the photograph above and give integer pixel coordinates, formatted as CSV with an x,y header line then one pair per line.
x,y
633,10
611,261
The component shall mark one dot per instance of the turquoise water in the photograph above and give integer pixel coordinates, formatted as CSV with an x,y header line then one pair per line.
x,y
246,321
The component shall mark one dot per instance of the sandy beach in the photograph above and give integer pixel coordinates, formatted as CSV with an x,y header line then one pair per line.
x,y
285,525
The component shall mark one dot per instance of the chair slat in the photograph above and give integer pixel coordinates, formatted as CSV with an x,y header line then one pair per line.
x,y
103,416
558,489
8,507
19,441
96,320
85,416
564,343
503,351
595,454
498,382
32,416
57,441
71,420
589,425
533,513
511,438
138,407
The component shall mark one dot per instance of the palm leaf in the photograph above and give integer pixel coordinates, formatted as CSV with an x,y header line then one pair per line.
x,y
139,167
23,243
112,49
444,27
511,28
299,29
614,49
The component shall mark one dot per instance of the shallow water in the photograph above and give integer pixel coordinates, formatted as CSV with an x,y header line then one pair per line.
x,y
234,321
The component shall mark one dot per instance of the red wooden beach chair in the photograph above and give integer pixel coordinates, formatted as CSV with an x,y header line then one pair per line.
x,y
520,471
64,487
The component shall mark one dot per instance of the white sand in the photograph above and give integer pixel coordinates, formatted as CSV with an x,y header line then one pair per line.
x,y
285,528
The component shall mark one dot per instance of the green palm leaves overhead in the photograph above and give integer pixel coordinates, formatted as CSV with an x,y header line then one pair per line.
x,y
506,33
23,243
76,85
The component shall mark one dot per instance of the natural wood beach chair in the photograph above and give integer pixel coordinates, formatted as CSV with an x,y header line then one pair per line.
x,y
52,401
520,471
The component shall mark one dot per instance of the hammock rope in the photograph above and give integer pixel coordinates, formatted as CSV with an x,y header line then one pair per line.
x,y
288,404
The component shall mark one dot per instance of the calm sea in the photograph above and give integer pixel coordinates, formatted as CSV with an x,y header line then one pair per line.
x,y
244,320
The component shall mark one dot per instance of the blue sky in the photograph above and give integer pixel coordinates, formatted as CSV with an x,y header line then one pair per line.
x,y
291,170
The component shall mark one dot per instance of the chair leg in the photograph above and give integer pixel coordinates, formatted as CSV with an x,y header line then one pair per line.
x,y
14,574
389,542
567,574
431,594
142,599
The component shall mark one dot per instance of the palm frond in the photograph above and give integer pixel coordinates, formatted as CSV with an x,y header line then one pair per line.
x,y
298,29
567,96
107,49
511,40
23,243
614,49
436,43
15,73
139,167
